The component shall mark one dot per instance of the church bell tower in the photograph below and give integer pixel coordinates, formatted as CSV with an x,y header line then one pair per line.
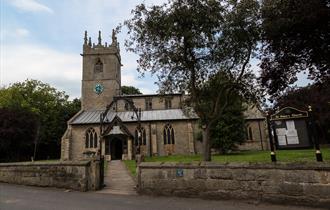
x,y
101,78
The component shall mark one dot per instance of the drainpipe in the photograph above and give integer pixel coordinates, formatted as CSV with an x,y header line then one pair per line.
x,y
262,147
150,141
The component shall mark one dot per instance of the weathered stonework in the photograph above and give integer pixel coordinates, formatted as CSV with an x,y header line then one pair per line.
x,y
294,183
82,175
102,68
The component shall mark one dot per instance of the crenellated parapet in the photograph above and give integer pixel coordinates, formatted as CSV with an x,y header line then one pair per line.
x,y
91,48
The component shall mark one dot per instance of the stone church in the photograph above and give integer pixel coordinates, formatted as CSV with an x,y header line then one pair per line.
x,y
148,124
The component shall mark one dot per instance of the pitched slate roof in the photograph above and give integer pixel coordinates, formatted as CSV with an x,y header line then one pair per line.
x,y
93,116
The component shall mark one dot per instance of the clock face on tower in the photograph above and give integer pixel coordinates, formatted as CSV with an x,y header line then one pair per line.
x,y
98,89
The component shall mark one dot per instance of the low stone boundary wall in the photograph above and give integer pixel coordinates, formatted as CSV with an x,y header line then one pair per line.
x,y
295,183
82,175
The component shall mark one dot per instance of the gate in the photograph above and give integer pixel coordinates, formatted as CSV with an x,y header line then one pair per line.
x,y
101,172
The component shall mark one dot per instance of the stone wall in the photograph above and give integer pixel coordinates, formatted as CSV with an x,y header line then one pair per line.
x,y
82,176
296,183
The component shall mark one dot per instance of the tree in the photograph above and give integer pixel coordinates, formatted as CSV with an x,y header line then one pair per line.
x,y
295,39
130,90
186,43
230,129
17,134
51,107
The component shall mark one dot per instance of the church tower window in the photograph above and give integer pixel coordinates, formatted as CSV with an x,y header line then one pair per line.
x,y
98,66
168,134
91,138
148,103
168,103
140,137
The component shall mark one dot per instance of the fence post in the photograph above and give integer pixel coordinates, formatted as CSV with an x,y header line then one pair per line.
x,y
270,135
315,136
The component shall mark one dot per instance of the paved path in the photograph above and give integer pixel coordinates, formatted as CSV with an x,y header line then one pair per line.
x,y
118,179
18,197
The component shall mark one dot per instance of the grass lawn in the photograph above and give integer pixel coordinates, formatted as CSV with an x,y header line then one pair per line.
x,y
249,156
246,156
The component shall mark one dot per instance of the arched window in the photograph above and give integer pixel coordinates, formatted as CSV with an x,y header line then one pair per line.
x,y
250,134
168,134
140,137
91,138
98,66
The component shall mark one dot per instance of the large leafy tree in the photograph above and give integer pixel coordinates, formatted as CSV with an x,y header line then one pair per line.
x,y
186,43
51,108
295,38
17,134
130,90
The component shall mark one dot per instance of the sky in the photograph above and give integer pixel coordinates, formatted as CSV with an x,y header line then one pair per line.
x,y
42,39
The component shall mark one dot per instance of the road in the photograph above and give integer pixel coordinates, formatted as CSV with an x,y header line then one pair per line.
x,y
17,197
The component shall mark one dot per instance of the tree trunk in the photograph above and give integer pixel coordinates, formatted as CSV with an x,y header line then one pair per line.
x,y
206,143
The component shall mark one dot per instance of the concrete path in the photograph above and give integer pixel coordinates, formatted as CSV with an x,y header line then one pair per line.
x,y
118,179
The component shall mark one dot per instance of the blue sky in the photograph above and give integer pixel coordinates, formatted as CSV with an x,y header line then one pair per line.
x,y
42,39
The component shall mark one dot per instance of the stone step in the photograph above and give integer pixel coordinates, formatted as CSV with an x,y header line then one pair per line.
x,y
116,192
118,180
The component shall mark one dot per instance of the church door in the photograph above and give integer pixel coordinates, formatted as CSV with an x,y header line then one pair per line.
x,y
116,147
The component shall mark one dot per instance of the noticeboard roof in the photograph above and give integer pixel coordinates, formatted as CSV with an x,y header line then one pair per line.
x,y
289,113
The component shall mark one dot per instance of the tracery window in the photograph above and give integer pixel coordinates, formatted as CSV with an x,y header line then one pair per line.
x,y
140,137
168,134
91,138
98,66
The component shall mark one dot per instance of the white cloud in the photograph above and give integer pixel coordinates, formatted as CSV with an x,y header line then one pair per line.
x,y
30,6
22,32
20,62
13,34
129,80
131,77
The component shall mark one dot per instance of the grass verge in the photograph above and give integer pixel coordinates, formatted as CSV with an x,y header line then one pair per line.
x,y
249,156
304,155
131,165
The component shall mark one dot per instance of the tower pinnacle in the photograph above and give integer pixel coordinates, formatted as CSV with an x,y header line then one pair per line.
x,y
85,38
99,39
114,38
